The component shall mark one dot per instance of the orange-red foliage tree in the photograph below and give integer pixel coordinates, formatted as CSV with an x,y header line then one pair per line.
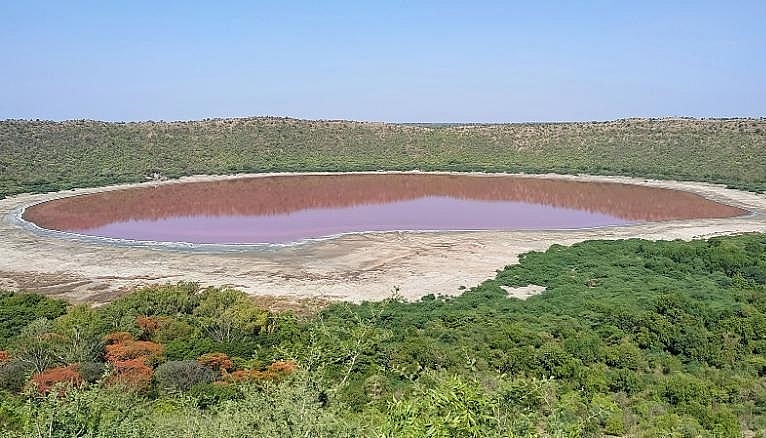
x,y
4,356
134,373
49,378
150,324
282,367
217,362
131,359
115,337
129,348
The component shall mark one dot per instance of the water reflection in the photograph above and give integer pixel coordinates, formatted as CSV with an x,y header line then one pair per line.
x,y
319,205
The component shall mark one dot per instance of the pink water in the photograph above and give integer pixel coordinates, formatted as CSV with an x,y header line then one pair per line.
x,y
287,209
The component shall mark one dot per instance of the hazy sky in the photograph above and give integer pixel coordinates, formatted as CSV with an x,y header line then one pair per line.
x,y
428,61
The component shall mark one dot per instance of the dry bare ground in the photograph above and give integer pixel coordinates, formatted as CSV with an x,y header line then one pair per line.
x,y
354,267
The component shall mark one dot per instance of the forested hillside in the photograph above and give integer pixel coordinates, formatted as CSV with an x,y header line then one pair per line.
x,y
47,156
631,338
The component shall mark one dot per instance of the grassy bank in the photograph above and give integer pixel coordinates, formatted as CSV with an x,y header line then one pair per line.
x,y
40,156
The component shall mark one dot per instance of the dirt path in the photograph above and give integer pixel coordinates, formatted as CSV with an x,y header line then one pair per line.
x,y
353,267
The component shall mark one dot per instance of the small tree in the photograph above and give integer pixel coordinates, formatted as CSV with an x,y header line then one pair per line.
x,y
80,331
37,346
228,315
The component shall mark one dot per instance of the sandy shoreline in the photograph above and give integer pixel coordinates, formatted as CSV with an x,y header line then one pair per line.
x,y
352,267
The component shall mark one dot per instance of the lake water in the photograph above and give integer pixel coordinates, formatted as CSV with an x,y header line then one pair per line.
x,y
290,208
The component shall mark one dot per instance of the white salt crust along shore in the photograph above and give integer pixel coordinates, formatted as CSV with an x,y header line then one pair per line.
x,y
351,267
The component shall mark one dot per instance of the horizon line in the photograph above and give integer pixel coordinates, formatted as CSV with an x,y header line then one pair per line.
x,y
380,122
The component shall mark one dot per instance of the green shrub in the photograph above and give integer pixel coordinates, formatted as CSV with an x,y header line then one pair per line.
x,y
14,375
91,372
182,375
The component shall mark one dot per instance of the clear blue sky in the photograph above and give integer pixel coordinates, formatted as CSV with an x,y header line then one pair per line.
x,y
426,61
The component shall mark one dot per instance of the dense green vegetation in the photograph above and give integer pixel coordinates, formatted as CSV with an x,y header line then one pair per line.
x,y
631,338
37,156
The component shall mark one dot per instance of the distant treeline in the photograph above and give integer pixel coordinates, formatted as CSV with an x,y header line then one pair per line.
x,y
39,156
630,338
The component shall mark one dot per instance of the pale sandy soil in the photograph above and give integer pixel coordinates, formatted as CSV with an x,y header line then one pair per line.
x,y
352,267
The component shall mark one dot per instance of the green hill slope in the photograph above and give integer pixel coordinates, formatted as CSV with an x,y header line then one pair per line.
x,y
45,156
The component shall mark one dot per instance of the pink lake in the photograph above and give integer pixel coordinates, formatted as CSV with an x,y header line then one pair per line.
x,y
291,208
